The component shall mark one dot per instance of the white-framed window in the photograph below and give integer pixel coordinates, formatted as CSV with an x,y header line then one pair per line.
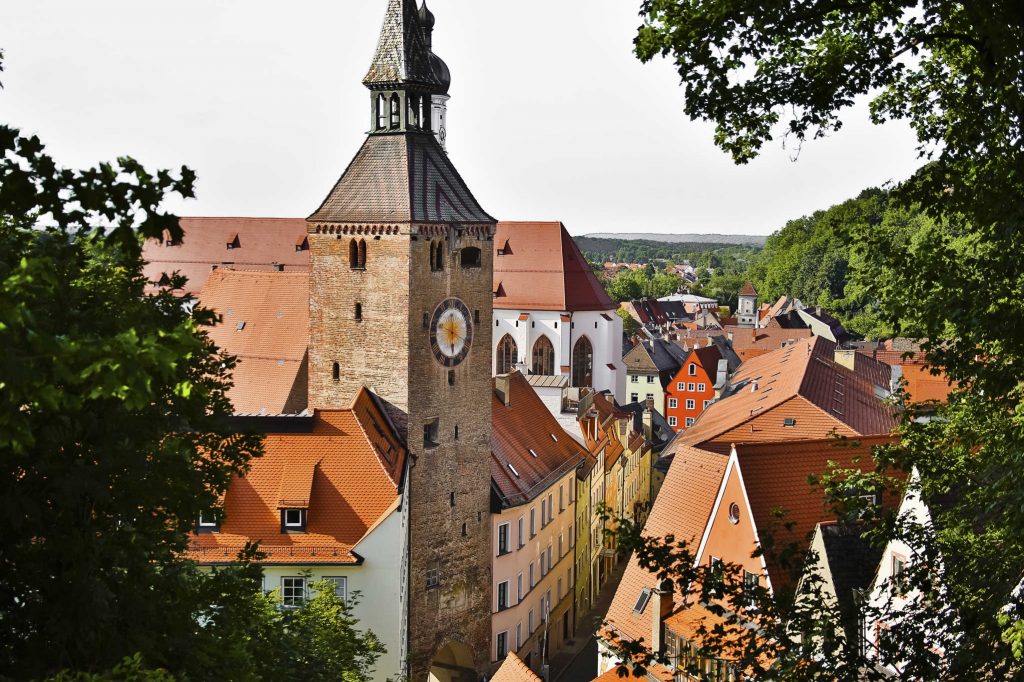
x,y
702,387
561,537
503,595
519,636
551,507
689,421
634,397
533,521
650,396
519,588
673,403
504,539
561,500
692,369
209,521
691,387
340,586
533,580
650,379
529,622
293,591
551,564
706,403
634,379
543,513
681,386
572,537
522,523
293,520
501,645
672,421
543,564
691,404
434,574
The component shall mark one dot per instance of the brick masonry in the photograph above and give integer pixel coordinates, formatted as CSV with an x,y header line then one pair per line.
x,y
389,351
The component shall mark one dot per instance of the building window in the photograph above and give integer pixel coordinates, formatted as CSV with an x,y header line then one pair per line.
x,y
543,513
533,579
561,500
533,521
691,387
583,363
521,524
634,397
650,396
293,520
507,355
519,635
431,433
382,112
469,257
706,403
358,312
433,574
689,422
692,369
691,404
680,386
899,569
502,645
750,584
503,595
340,586
650,379
519,588
789,421
437,256
672,421
396,111
702,387
634,378
293,591
209,522
734,513
543,357
543,564
503,539
673,403
529,622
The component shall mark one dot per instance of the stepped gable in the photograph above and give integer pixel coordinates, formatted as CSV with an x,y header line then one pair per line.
x,y
345,466
402,54
259,244
265,324
682,509
540,268
520,428
400,178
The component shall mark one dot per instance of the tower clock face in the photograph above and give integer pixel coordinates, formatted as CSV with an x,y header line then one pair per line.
x,y
451,332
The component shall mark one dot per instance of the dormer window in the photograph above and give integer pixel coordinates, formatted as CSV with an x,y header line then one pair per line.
x,y
209,522
293,520
233,242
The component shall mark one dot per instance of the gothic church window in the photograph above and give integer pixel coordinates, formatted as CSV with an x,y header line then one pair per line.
x,y
508,354
583,363
543,357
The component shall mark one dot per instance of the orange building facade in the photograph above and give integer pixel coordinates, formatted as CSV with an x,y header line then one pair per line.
x,y
691,390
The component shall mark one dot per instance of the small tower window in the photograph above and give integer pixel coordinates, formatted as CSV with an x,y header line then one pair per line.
x,y
396,111
336,372
362,254
413,115
451,382
359,312
431,433
353,254
439,263
470,257
382,112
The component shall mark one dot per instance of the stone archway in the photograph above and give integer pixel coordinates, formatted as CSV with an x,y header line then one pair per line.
x,y
453,662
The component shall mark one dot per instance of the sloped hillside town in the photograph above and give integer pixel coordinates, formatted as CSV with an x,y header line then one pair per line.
x,y
502,472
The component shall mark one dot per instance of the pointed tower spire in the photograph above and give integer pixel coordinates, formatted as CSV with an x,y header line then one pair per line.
x,y
402,56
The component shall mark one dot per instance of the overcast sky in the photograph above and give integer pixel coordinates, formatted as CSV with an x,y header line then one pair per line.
x,y
551,116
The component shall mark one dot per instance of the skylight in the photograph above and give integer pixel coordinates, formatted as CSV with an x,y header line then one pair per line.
x,y
513,470
532,453
554,437
641,601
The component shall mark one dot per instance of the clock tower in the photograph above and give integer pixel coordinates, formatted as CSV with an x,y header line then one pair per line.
x,y
400,302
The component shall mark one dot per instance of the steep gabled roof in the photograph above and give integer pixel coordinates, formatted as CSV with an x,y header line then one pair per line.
x,y
529,449
262,242
352,463
682,509
400,179
747,290
541,268
513,669
265,323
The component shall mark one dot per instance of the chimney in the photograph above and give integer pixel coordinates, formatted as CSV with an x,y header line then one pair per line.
x,y
662,605
846,358
503,387
648,418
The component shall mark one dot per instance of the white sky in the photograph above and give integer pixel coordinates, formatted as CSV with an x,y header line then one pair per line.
x,y
551,116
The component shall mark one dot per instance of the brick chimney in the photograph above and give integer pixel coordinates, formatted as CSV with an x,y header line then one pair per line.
x,y
662,605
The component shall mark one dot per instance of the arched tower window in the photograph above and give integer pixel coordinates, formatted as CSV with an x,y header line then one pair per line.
x,y
507,355
439,256
396,111
412,116
336,372
543,357
583,363
362,254
433,255
382,112
353,254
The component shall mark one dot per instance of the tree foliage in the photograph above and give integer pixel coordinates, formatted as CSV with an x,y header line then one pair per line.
x,y
955,73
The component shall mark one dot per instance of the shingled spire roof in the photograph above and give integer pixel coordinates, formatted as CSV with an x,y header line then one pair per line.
x,y
402,54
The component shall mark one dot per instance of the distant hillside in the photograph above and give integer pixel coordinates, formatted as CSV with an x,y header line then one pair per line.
x,y
689,239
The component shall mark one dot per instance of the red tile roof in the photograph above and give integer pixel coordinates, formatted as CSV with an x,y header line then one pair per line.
x,y
776,477
805,377
542,269
261,243
749,343
514,670
519,429
682,509
349,465
266,325
747,290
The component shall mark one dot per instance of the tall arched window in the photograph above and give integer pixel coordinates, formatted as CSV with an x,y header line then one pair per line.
x,y
583,363
439,256
543,357
353,254
507,355
336,372
396,111
382,112
413,111
362,253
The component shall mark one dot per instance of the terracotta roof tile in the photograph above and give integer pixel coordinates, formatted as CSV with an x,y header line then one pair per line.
x,y
353,483
262,242
682,509
266,324
521,440
748,290
514,670
540,268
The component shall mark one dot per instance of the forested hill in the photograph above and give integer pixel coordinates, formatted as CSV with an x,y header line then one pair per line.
x,y
732,239
601,249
